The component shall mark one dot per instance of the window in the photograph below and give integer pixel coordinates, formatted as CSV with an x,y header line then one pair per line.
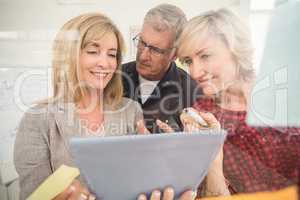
x,y
260,15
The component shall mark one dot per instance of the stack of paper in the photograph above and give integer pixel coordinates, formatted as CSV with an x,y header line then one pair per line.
x,y
55,184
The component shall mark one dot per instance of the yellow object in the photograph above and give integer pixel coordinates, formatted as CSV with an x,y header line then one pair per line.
x,y
55,184
289,193
180,65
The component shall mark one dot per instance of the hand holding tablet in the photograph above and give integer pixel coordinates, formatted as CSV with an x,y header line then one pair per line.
x,y
126,166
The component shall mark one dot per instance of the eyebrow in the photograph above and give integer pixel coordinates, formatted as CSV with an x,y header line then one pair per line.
x,y
95,44
113,49
152,45
201,51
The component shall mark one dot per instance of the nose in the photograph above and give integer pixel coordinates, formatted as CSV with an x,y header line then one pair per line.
x,y
103,60
196,69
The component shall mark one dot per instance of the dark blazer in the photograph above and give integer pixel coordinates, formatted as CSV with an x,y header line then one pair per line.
x,y
175,91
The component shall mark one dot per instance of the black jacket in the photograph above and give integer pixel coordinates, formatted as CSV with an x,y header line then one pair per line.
x,y
175,91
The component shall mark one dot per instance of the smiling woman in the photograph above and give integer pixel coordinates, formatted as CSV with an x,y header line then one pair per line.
x,y
98,62
87,101
216,45
88,43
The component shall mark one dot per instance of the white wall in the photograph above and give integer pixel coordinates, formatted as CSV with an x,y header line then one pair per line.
x,y
27,27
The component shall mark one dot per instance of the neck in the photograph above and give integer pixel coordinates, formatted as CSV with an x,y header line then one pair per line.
x,y
92,101
233,102
91,111
236,99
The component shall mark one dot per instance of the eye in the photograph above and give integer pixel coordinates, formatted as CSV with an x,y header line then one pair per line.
x,y
112,55
141,43
205,56
157,50
187,61
91,51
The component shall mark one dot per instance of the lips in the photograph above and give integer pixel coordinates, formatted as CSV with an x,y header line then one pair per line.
x,y
99,74
147,65
205,82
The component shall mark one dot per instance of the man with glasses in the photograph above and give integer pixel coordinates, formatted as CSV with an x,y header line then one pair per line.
x,y
154,80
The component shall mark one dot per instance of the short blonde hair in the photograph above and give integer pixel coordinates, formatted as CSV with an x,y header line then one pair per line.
x,y
70,40
224,24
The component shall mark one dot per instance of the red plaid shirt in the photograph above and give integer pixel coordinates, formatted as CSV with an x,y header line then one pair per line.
x,y
256,158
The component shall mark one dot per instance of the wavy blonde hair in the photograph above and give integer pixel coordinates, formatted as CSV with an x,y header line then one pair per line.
x,y
227,26
72,37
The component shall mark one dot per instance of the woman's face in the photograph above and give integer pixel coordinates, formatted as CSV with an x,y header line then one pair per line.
x,y
211,64
98,61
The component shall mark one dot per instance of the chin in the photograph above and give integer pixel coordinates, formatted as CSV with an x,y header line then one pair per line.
x,y
98,86
210,90
143,73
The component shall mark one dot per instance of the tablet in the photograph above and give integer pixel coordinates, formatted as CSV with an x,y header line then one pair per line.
x,y
125,166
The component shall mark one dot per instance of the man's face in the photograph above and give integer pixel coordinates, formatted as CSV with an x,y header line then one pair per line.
x,y
152,64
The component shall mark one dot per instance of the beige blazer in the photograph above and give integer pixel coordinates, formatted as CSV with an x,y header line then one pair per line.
x,y
42,141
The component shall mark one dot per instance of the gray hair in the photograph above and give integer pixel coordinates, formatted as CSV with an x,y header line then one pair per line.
x,y
166,17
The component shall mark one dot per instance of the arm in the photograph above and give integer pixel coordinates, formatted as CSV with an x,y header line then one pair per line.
x,y
31,153
139,124
32,158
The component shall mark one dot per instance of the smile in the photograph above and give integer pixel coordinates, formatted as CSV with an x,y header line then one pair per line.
x,y
99,74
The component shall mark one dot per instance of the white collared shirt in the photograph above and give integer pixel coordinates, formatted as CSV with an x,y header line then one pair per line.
x,y
146,88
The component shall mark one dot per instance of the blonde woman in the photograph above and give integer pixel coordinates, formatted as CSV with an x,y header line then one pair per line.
x,y
87,101
216,46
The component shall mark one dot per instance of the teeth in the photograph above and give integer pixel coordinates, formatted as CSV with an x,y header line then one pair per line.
x,y
99,74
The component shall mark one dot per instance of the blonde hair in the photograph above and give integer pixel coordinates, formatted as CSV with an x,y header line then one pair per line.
x,y
69,41
227,26
224,24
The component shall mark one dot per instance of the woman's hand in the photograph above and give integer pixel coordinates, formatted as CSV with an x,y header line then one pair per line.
x,y
192,125
141,128
216,183
75,192
168,194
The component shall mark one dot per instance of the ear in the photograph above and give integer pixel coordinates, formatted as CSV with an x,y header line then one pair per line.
x,y
173,55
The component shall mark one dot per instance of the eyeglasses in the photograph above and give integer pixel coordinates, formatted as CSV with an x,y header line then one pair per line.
x,y
155,51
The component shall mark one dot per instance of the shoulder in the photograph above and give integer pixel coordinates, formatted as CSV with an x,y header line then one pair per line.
x,y
128,67
39,115
185,77
175,69
129,78
182,72
33,127
130,105
36,115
